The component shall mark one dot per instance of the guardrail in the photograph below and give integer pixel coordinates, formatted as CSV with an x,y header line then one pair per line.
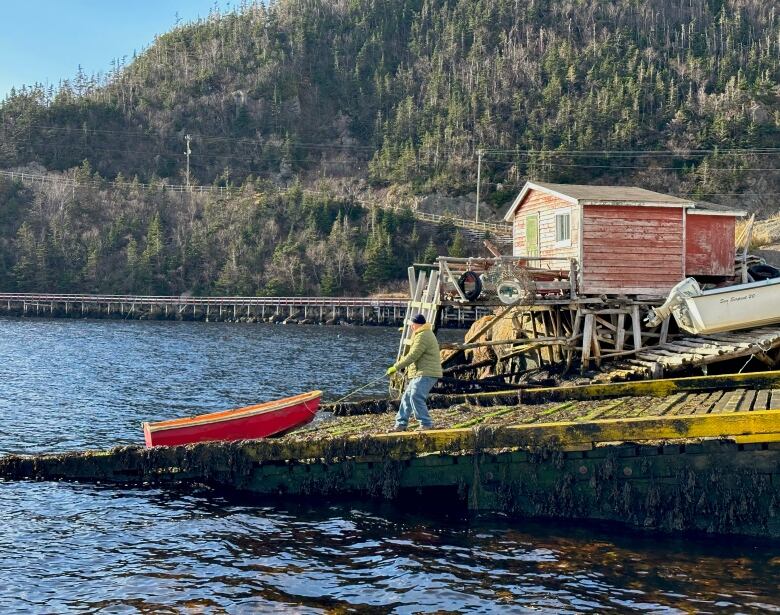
x,y
195,300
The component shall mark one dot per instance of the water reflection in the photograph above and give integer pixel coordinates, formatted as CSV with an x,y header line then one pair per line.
x,y
88,548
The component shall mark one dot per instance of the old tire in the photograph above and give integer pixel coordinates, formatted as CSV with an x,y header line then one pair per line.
x,y
763,272
471,285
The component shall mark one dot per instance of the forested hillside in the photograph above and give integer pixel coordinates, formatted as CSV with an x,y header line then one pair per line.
x,y
682,97
124,238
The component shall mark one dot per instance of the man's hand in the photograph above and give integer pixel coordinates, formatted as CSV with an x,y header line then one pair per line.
x,y
391,370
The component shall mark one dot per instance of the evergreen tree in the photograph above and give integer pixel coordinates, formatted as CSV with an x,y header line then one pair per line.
x,y
431,253
458,248
25,270
379,259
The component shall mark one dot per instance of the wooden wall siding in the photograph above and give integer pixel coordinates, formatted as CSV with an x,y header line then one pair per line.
x,y
709,245
631,250
545,205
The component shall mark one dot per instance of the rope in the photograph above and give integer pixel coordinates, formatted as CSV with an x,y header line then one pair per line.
x,y
365,386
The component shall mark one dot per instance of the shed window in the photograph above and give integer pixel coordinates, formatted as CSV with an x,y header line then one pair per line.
x,y
563,227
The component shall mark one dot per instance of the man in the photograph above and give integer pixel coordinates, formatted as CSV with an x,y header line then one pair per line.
x,y
424,363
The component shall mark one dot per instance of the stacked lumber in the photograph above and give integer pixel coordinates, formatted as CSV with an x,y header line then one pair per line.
x,y
689,352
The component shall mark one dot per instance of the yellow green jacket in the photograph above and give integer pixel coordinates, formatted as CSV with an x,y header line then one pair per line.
x,y
423,358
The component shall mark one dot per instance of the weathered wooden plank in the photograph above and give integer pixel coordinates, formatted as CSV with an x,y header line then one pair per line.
x,y
729,402
734,344
666,404
679,360
708,404
774,401
700,351
731,338
620,337
653,357
694,343
665,330
587,339
602,410
694,404
636,323
625,287
762,400
746,403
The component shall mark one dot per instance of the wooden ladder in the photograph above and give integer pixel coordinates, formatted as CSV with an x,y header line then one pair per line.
x,y
424,292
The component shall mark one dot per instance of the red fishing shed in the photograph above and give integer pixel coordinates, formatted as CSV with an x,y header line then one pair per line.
x,y
626,240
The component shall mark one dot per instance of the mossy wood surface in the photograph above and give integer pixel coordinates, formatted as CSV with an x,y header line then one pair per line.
x,y
699,458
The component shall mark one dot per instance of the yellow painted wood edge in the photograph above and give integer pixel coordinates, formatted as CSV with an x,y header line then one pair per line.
x,y
567,435
651,388
752,439
651,428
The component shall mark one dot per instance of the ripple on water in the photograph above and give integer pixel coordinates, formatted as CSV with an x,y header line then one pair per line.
x,y
71,548
67,547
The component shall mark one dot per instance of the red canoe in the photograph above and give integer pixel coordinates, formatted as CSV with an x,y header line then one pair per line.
x,y
260,421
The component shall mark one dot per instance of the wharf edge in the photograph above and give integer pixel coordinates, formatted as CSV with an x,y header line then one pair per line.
x,y
708,469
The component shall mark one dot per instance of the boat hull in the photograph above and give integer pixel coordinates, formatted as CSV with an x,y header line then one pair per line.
x,y
251,422
728,309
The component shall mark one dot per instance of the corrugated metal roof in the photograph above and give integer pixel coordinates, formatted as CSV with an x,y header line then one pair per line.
x,y
599,194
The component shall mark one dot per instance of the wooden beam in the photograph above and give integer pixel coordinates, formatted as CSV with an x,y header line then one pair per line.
x,y
637,326
587,340
544,340
489,325
664,330
412,281
492,248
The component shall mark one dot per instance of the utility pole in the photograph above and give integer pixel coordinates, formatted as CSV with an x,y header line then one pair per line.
x,y
479,170
188,152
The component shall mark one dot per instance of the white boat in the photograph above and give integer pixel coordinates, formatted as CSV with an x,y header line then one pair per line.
x,y
742,306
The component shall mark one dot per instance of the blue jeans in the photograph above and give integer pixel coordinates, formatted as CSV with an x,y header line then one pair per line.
x,y
413,402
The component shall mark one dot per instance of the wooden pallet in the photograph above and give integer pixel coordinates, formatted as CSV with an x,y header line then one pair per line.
x,y
697,351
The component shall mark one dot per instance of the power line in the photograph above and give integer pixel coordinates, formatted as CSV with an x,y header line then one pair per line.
x,y
637,153
649,168
271,156
485,151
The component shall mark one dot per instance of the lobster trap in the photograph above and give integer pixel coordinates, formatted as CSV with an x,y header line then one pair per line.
x,y
507,280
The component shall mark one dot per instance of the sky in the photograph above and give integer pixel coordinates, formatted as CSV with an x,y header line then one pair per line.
x,y
45,40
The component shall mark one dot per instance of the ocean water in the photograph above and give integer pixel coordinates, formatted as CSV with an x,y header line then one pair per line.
x,y
69,385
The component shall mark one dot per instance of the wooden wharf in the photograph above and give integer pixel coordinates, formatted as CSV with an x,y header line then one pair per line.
x,y
689,454
302,310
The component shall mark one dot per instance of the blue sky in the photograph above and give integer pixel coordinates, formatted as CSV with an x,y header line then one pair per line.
x,y
46,40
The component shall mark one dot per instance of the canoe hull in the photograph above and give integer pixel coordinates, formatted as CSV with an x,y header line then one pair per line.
x,y
260,421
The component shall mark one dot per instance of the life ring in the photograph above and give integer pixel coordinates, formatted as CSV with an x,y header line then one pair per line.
x,y
763,272
510,292
471,285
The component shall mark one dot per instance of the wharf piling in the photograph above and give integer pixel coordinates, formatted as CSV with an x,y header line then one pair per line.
x,y
290,310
